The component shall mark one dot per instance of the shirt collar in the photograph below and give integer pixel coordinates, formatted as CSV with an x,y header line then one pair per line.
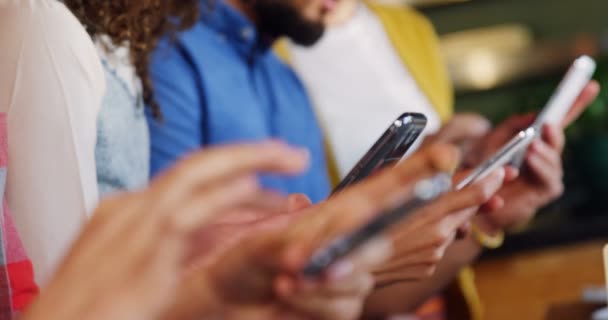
x,y
234,27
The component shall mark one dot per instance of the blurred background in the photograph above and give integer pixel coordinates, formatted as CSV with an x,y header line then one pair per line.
x,y
508,56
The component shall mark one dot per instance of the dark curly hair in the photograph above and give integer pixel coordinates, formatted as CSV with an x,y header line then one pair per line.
x,y
138,24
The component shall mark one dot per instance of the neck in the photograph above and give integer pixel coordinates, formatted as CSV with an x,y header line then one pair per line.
x,y
243,8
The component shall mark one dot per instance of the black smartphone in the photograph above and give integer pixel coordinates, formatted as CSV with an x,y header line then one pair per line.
x,y
425,191
389,149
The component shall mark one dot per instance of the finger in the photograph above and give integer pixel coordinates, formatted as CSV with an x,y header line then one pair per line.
x,y
369,256
554,137
472,196
204,206
589,93
546,175
342,300
258,207
356,205
226,162
389,188
429,233
356,283
463,231
511,173
495,204
427,257
550,156
411,273
298,202
320,308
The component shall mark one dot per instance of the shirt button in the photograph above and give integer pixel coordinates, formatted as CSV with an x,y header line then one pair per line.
x,y
247,33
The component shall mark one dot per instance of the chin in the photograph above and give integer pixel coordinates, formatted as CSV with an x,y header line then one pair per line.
x,y
308,38
278,18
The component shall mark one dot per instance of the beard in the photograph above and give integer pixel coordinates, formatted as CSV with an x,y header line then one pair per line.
x,y
277,18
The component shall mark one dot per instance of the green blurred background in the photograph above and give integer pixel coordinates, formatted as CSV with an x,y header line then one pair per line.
x,y
506,57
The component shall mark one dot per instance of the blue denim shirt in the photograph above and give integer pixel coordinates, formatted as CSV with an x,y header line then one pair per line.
x,y
220,83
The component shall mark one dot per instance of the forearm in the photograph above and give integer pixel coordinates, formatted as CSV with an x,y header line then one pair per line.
x,y
405,297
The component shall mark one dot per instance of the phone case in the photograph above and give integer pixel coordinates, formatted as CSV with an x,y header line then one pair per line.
x,y
389,149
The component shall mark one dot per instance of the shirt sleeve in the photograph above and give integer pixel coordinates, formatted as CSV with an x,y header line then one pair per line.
x,y
177,90
52,105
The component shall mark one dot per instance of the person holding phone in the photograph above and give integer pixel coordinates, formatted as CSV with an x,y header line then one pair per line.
x,y
258,279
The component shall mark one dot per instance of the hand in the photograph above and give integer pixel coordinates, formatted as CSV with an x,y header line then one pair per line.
x,y
495,139
258,270
421,242
229,230
541,182
129,259
463,128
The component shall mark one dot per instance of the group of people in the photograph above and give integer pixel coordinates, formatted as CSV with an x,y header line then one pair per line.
x,y
163,160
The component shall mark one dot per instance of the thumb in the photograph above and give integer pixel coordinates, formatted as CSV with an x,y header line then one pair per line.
x,y
589,93
298,202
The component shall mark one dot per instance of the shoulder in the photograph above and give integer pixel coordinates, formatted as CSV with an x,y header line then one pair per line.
x,y
43,35
285,77
199,43
283,69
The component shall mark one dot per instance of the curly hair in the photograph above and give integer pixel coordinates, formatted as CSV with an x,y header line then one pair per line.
x,y
138,24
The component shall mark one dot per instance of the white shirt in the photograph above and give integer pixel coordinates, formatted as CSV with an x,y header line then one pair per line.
x,y
51,86
359,86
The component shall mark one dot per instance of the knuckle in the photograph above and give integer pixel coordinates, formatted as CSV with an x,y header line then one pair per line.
x,y
367,284
429,271
435,257
557,190
440,238
443,156
481,193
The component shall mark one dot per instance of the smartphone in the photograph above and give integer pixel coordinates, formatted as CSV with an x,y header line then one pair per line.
x,y
556,109
425,191
389,149
502,157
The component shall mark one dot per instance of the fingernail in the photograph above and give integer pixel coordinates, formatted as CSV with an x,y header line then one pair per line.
x,y
341,270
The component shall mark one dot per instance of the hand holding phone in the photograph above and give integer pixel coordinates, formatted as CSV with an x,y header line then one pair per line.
x,y
556,109
518,144
389,149
424,192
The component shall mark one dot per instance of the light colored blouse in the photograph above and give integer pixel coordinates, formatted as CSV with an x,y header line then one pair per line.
x,y
359,85
51,86
123,139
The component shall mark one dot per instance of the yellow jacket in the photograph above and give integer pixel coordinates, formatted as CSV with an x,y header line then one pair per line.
x,y
416,43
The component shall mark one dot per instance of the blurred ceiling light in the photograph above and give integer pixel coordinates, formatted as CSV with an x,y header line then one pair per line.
x,y
483,58
510,37
482,68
